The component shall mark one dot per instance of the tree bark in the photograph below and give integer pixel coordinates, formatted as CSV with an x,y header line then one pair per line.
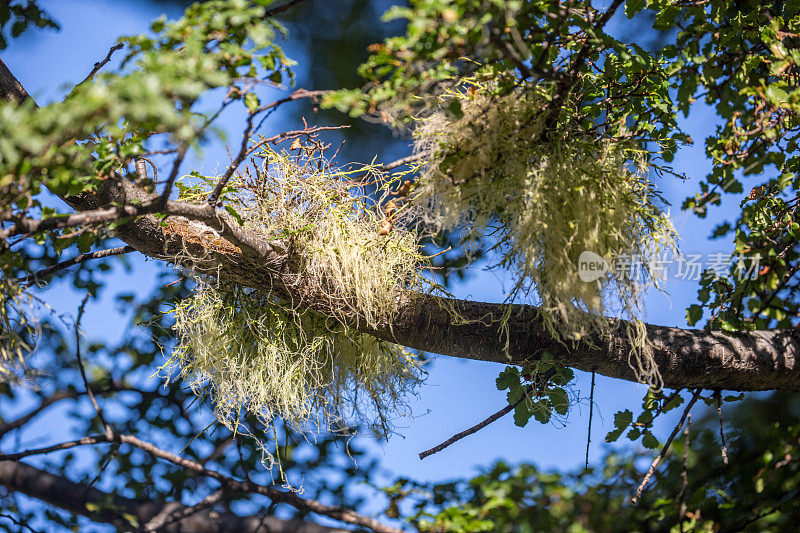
x,y
686,358
116,510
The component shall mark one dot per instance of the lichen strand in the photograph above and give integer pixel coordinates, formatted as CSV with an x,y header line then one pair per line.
x,y
246,351
544,199
254,352
19,329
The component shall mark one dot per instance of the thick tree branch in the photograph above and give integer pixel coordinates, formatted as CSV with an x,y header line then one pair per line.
x,y
79,498
686,358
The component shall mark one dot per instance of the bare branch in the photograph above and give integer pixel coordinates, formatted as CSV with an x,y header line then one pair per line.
x,y
100,64
38,276
723,449
296,95
283,7
337,513
479,426
170,516
57,396
106,426
223,180
80,499
667,444
684,472
589,431
400,162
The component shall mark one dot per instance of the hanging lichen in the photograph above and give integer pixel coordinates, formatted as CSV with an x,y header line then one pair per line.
x,y
252,351
497,166
19,328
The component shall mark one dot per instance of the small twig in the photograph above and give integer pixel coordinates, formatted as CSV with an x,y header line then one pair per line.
x,y
111,453
723,449
17,522
283,7
106,426
158,522
684,472
162,200
400,162
100,64
37,276
661,455
223,180
591,412
477,427
296,95
46,402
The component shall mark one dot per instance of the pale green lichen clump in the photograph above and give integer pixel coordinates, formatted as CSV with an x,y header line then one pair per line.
x,y
19,328
251,351
543,199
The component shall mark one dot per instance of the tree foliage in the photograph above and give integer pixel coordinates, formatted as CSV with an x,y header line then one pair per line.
x,y
538,131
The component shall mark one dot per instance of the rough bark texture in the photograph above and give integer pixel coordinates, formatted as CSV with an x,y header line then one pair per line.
x,y
687,358
78,499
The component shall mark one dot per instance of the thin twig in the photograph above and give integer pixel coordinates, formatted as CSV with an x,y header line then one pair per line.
x,y
158,522
100,64
36,277
477,427
661,455
283,7
17,522
173,175
401,162
684,473
723,449
296,95
46,402
111,453
106,427
223,180
591,412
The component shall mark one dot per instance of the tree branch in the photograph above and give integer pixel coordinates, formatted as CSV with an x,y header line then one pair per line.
x,y
78,498
38,276
278,496
479,426
686,358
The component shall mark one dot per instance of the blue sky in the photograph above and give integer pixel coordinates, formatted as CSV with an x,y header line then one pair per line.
x,y
457,393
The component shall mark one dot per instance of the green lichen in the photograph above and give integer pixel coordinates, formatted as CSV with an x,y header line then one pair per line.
x,y
495,170
19,327
252,351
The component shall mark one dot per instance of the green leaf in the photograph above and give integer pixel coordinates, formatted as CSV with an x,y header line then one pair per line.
x,y
234,214
251,101
634,6
693,314
649,440
508,378
522,414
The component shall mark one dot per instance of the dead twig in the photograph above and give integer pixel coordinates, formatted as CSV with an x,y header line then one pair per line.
x,y
38,276
480,425
684,473
589,434
661,455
